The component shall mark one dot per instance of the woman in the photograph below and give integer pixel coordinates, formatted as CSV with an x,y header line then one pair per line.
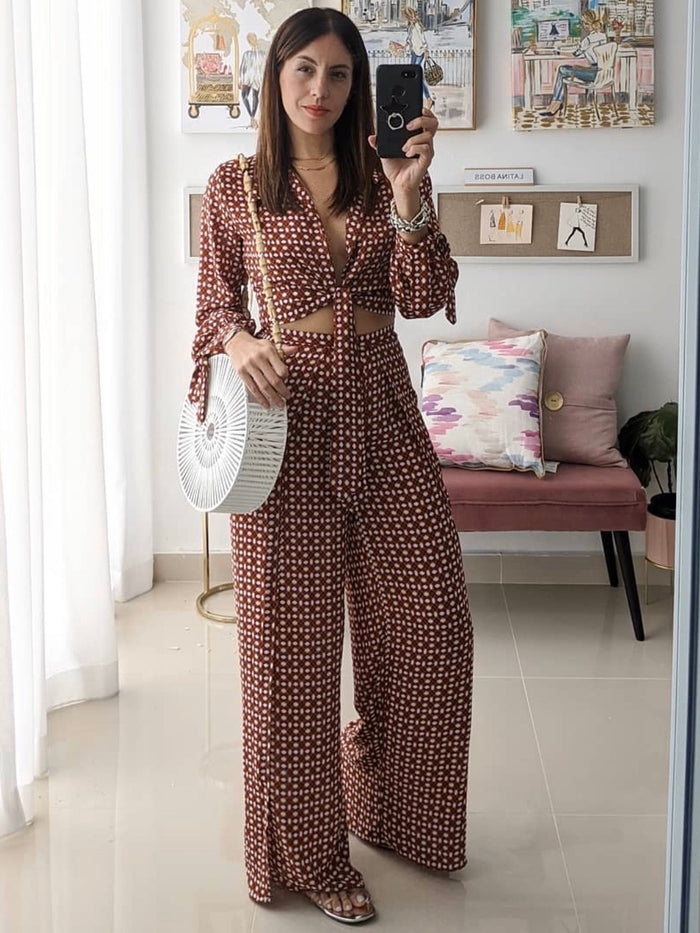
x,y
595,36
359,508
250,77
417,45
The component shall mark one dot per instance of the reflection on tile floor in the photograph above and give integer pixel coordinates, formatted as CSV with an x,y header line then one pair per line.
x,y
139,824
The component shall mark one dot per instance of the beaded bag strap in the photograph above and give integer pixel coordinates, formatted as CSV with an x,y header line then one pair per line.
x,y
260,250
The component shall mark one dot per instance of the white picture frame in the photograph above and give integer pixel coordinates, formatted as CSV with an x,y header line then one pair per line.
x,y
192,201
567,192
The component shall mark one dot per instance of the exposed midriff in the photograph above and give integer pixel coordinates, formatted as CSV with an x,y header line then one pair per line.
x,y
321,321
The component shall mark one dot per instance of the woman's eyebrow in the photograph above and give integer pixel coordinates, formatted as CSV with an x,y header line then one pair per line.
x,y
307,58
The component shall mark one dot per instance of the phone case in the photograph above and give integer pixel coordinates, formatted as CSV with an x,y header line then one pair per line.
x,y
399,100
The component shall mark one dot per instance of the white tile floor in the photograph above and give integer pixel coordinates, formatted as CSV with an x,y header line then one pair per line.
x,y
139,827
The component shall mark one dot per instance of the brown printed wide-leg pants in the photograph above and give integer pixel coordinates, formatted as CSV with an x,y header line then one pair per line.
x,y
396,776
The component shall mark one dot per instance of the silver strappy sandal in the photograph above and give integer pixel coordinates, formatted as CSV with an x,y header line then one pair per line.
x,y
329,912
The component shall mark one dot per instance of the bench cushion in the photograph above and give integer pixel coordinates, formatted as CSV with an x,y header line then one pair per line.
x,y
575,498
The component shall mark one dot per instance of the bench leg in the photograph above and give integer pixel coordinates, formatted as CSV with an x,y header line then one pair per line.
x,y
624,554
609,551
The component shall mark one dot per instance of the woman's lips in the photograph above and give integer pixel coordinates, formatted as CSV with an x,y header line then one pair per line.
x,y
316,111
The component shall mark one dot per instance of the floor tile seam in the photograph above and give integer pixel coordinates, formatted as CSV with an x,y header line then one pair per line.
x,y
542,767
562,677
635,816
497,677
586,677
506,811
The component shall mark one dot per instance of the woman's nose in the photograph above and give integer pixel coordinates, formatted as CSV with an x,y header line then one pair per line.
x,y
320,89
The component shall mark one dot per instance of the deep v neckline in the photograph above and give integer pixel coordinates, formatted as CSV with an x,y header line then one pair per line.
x,y
338,278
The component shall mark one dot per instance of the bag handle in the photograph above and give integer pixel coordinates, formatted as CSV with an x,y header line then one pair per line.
x,y
260,250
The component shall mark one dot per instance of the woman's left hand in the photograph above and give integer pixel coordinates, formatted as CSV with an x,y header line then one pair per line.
x,y
406,174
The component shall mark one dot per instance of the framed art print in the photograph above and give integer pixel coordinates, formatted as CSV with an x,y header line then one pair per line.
x,y
223,49
582,64
440,38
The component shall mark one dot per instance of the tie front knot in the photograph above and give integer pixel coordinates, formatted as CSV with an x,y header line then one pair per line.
x,y
347,457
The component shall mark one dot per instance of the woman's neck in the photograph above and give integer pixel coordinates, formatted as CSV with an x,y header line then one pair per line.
x,y
306,146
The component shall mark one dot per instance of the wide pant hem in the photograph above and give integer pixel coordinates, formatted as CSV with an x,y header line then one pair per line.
x,y
300,888
399,850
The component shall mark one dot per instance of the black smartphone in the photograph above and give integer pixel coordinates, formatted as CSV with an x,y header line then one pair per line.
x,y
399,100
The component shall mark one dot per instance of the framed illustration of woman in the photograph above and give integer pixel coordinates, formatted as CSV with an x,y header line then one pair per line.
x,y
582,64
428,33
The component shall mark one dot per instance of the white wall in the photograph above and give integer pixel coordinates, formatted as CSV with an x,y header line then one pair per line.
x,y
642,299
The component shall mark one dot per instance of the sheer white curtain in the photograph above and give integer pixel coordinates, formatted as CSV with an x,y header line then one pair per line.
x,y
75,496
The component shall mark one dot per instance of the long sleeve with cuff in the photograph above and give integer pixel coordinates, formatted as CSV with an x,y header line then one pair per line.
x,y
221,281
423,275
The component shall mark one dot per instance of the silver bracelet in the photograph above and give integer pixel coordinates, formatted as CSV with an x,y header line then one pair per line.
x,y
232,333
421,219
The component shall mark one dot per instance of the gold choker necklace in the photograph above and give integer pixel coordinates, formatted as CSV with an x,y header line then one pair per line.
x,y
329,160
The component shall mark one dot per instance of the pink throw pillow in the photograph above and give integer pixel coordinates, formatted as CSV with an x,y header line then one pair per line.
x,y
579,414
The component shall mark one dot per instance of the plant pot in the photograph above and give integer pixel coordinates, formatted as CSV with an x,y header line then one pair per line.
x,y
661,530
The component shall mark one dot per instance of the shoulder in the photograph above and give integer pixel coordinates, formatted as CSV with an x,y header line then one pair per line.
x,y
227,177
225,183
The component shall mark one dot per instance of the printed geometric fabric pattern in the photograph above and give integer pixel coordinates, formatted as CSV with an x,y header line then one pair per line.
x,y
481,402
397,774
383,272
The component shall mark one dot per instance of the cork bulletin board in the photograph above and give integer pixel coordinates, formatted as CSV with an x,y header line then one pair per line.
x,y
617,239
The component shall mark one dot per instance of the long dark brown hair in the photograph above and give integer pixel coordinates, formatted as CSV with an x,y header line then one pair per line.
x,y
356,159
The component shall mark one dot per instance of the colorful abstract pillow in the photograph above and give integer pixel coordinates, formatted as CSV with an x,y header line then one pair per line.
x,y
579,413
481,402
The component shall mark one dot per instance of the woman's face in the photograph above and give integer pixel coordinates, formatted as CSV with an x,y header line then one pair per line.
x,y
315,84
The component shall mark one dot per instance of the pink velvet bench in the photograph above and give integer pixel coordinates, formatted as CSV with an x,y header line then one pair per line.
x,y
610,500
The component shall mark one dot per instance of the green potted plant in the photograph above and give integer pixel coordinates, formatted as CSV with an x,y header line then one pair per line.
x,y
646,439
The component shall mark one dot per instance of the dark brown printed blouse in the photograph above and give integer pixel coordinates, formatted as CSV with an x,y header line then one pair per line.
x,y
383,272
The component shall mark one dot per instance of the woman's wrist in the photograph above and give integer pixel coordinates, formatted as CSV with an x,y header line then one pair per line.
x,y
232,335
407,202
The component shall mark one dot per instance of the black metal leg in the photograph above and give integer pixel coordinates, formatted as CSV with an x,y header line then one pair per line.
x,y
624,554
610,562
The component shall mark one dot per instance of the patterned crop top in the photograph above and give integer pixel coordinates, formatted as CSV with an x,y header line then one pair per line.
x,y
382,273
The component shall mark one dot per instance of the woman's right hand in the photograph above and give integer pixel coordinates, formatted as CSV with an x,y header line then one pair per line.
x,y
262,371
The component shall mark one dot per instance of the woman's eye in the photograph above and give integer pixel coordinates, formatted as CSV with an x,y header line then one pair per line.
x,y
340,75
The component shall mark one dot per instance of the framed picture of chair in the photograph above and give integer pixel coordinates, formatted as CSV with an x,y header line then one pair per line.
x,y
582,64
223,47
438,36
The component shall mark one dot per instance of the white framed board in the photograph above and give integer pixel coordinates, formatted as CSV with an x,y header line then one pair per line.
x,y
617,228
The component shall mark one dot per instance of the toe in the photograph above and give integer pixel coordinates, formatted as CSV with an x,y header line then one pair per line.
x,y
361,901
348,906
335,902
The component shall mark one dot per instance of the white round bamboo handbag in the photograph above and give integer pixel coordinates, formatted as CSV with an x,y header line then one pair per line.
x,y
230,461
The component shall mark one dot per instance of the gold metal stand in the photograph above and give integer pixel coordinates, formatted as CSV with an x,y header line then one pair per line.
x,y
646,577
208,590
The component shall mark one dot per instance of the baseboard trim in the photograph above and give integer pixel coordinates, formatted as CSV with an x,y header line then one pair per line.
x,y
479,568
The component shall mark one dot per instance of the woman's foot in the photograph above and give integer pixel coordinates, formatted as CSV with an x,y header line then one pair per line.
x,y
349,906
553,109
